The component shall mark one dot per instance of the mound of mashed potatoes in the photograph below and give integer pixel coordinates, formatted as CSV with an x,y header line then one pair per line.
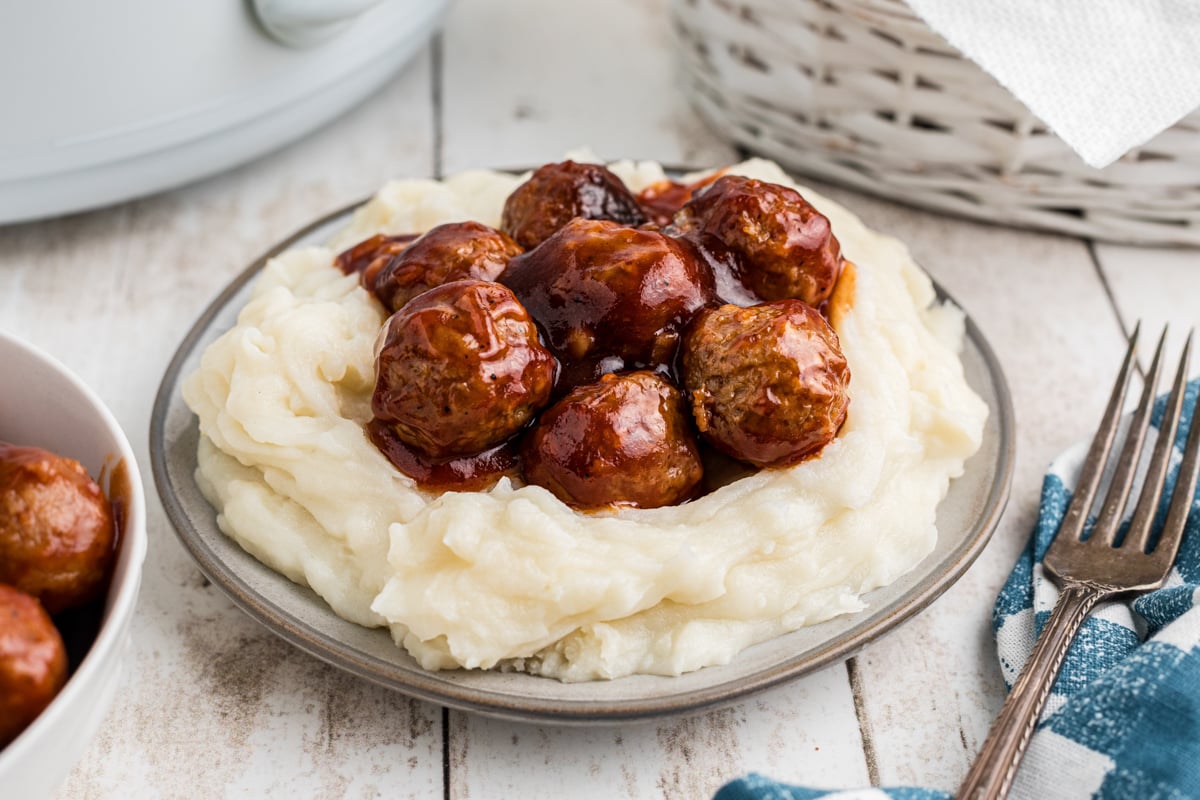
x,y
512,578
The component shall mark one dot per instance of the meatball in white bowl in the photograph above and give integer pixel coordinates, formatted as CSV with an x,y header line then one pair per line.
x,y
60,671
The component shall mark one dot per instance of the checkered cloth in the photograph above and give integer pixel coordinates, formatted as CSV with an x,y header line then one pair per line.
x,y
1123,720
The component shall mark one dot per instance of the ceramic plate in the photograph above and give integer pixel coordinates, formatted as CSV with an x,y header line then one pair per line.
x,y
965,520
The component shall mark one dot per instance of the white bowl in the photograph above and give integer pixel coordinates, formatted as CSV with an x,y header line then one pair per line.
x,y
44,405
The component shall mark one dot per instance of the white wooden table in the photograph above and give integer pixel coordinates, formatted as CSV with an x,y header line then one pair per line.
x,y
213,705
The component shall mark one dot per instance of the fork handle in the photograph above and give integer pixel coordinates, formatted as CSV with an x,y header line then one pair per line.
x,y
991,775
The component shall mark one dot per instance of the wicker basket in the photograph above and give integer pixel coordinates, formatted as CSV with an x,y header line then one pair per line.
x,y
863,93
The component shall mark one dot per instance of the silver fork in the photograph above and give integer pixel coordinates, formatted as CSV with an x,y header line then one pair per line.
x,y
1096,568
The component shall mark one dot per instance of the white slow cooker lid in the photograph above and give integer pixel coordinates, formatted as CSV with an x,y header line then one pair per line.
x,y
90,86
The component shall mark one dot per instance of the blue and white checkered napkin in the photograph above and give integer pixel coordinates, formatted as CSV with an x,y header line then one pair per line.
x,y
1123,720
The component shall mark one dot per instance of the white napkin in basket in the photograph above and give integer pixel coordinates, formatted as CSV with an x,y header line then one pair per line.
x,y
1105,75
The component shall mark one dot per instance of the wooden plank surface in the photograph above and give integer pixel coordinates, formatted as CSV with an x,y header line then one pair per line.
x,y
1157,286
526,80
805,731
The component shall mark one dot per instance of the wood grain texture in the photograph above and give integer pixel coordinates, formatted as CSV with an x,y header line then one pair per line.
x,y
802,732
1157,286
524,81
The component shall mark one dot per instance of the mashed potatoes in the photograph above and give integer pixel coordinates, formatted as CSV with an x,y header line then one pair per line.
x,y
512,577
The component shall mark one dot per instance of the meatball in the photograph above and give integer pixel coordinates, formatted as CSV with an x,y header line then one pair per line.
x,y
767,383
601,291
371,255
33,661
555,194
452,252
725,265
460,369
785,245
624,440
56,529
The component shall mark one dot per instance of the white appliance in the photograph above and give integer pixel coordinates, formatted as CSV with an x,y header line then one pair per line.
x,y
104,101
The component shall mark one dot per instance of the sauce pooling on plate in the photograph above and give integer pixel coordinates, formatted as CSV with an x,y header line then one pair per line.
x,y
470,473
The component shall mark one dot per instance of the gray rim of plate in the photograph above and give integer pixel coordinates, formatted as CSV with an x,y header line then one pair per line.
x,y
966,518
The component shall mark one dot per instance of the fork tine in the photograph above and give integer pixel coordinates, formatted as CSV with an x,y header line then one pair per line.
x,y
1109,520
1182,498
1093,467
1147,508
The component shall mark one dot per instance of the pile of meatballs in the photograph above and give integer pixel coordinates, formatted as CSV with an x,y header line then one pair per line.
x,y
604,345
58,537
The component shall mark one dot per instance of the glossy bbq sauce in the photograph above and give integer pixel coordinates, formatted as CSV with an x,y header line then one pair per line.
x,y
462,474
480,471
80,626
660,201
371,255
